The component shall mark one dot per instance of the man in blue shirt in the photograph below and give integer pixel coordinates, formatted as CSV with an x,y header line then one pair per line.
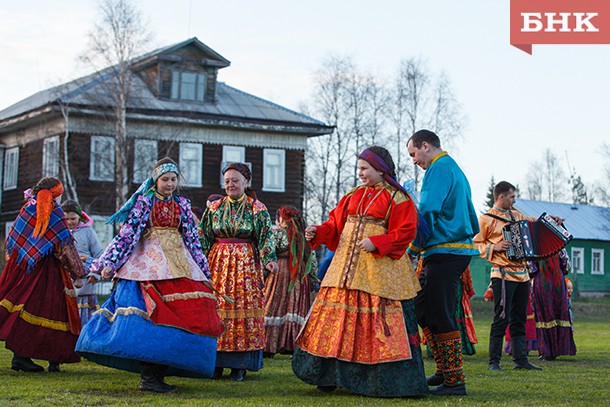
x,y
448,222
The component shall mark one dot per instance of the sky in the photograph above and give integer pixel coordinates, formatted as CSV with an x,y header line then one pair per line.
x,y
517,105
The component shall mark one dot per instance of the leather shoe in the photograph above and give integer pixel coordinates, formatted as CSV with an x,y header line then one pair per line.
x,y
25,364
435,379
526,365
238,375
53,367
442,390
494,366
327,389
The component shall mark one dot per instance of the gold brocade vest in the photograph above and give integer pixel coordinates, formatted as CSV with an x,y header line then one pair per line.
x,y
357,269
171,242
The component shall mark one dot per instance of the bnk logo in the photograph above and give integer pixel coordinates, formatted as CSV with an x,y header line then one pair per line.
x,y
559,22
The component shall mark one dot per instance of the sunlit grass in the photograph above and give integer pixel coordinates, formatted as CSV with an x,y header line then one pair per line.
x,y
583,379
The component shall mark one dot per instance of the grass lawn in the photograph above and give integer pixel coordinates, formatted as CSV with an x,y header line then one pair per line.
x,y
583,379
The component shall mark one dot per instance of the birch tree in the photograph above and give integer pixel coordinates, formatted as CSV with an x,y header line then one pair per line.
x,y
119,36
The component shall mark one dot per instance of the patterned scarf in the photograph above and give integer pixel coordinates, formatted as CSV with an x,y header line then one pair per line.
x,y
29,249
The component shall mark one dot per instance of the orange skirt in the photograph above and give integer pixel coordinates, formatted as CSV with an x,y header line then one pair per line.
x,y
355,326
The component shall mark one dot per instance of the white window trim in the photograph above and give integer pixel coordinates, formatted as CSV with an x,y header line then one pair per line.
x,y
241,150
7,228
104,232
580,267
600,272
50,158
199,181
11,183
92,175
266,181
138,145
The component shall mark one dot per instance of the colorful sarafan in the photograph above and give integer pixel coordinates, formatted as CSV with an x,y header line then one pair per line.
x,y
357,315
236,236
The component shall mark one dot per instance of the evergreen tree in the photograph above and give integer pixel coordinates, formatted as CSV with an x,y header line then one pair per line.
x,y
489,198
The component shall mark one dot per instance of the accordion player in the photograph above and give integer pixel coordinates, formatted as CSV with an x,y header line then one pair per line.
x,y
535,240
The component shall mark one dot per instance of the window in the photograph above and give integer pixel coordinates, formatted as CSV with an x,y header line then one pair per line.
x,y
50,157
188,86
274,168
232,154
191,163
101,165
7,228
578,260
11,168
144,159
597,261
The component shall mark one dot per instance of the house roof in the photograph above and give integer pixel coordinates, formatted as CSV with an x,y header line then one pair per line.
x,y
231,105
583,221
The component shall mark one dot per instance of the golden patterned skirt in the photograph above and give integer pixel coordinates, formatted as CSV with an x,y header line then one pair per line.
x,y
238,274
355,326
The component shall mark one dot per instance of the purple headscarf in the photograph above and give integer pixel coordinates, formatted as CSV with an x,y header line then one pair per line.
x,y
380,165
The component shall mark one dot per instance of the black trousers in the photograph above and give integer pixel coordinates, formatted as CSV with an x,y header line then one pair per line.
x,y
515,310
435,303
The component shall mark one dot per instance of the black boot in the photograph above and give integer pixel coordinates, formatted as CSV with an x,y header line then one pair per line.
x,y
520,354
495,353
151,378
238,375
53,367
218,371
435,379
25,364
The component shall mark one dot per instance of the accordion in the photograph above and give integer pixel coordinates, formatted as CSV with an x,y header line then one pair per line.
x,y
534,240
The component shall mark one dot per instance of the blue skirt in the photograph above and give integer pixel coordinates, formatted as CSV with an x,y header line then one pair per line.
x,y
120,335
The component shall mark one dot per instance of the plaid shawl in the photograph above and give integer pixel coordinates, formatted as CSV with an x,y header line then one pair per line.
x,y
30,250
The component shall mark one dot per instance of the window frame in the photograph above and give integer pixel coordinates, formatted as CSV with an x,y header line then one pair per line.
x,y
599,252
267,184
93,176
578,267
241,150
11,169
50,158
178,89
198,183
139,175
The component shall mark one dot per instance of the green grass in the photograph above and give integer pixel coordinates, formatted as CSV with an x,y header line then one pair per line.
x,y
583,379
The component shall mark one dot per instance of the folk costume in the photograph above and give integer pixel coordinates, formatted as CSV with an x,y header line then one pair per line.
x,y
361,333
87,244
236,237
38,311
463,313
288,292
444,240
551,308
510,282
162,311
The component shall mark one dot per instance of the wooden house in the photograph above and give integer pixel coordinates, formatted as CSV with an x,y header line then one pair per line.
x,y
176,108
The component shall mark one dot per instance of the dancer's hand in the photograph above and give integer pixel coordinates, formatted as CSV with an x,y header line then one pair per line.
x,y
310,233
366,245
272,267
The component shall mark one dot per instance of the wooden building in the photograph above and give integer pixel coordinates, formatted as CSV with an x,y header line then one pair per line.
x,y
176,108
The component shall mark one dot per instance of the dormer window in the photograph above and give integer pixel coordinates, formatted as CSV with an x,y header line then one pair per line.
x,y
188,86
